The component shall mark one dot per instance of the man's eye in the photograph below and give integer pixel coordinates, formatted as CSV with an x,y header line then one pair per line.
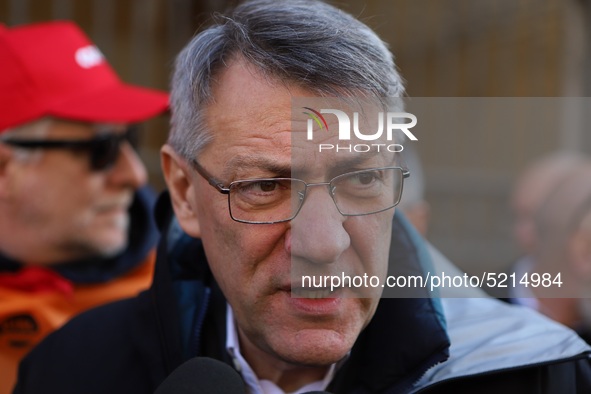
x,y
262,186
366,178
266,186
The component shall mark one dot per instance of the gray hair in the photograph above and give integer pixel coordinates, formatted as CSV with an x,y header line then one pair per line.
x,y
303,42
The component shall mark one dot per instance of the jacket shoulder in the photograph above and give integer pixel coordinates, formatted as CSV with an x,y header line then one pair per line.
x,y
498,347
117,339
508,348
567,376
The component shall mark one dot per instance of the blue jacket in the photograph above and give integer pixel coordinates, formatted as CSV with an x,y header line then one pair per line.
x,y
423,344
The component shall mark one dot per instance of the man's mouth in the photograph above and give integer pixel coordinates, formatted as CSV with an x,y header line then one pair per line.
x,y
121,204
313,293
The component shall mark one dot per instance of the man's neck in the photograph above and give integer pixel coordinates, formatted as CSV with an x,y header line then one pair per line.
x,y
286,376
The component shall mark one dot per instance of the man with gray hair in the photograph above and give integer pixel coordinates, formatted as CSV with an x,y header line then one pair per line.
x,y
260,188
76,227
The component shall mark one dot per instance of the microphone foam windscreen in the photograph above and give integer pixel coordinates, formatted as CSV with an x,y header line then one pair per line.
x,y
201,375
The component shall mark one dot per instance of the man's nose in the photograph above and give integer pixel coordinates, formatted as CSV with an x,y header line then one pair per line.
x,y
317,233
128,169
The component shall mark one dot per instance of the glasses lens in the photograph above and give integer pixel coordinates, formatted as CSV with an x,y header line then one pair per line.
x,y
265,200
367,191
132,136
104,151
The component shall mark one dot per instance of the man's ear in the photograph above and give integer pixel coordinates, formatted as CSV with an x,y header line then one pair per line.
x,y
182,191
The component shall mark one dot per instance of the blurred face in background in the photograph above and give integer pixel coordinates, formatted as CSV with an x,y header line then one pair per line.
x,y
534,186
55,206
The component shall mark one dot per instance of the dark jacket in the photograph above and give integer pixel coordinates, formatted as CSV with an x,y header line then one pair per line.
x,y
132,345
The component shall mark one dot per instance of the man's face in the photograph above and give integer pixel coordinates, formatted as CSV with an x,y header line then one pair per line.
x,y
59,209
251,122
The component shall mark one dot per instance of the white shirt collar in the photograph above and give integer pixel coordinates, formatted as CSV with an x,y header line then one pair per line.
x,y
254,385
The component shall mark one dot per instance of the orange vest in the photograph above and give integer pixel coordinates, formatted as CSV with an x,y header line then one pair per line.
x,y
27,317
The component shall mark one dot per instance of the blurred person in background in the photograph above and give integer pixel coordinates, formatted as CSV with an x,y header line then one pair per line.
x,y
562,253
533,185
536,182
76,226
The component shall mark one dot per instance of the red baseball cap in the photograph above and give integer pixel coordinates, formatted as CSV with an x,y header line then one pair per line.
x,y
53,69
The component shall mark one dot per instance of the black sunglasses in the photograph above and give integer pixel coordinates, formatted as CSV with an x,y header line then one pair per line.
x,y
104,148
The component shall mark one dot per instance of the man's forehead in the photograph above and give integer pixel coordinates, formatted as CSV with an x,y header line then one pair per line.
x,y
100,128
239,82
36,127
304,166
253,113
73,127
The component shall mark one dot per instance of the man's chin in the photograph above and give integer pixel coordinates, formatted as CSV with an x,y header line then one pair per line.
x,y
116,219
110,234
315,348
111,251
111,243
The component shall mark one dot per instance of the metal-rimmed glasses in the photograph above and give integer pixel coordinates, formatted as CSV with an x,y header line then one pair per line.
x,y
276,200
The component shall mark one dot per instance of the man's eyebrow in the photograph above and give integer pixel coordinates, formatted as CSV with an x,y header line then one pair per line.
x,y
256,162
352,161
356,162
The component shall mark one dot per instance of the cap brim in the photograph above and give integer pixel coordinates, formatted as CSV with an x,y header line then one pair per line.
x,y
116,104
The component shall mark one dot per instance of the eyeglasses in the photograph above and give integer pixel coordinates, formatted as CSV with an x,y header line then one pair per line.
x,y
275,200
104,148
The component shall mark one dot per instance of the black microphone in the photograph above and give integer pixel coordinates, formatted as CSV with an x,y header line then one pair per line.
x,y
202,375
316,392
